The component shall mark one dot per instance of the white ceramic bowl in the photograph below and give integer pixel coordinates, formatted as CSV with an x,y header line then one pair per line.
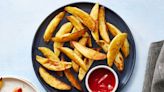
x,y
98,67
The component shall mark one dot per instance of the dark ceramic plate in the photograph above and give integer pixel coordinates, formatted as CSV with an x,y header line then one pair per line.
x,y
111,17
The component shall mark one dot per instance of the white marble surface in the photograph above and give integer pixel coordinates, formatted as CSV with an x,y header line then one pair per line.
x,y
19,20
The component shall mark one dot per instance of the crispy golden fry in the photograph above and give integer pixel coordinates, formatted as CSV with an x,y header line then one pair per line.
x,y
76,23
114,47
72,79
72,55
53,81
84,17
48,53
52,26
102,25
53,65
94,14
82,72
57,45
115,31
1,83
88,52
69,36
65,28
82,41
104,45
119,62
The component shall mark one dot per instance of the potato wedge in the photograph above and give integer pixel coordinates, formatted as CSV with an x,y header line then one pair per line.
x,y
48,53
114,47
69,36
53,81
52,26
53,65
82,41
82,72
72,55
76,23
72,79
102,25
119,62
94,14
84,17
104,45
65,28
115,31
1,83
88,52
55,46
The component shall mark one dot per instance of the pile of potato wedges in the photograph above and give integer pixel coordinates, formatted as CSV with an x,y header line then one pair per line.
x,y
77,31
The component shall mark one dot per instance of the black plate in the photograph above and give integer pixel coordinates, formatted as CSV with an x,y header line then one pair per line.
x,y
111,17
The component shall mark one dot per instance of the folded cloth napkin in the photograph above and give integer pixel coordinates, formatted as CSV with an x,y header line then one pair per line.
x,y
154,76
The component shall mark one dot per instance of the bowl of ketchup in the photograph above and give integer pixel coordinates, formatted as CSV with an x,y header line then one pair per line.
x,y
101,79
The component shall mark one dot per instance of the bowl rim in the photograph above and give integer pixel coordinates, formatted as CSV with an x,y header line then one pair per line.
x,y
98,67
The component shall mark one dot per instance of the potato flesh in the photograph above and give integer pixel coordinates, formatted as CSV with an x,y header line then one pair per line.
x,y
88,52
114,47
94,14
82,72
115,31
52,26
72,55
52,81
82,41
71,78
65,28
102,25
53,65
84,17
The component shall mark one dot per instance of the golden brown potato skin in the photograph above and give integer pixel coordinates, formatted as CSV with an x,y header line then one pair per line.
x,y
69,36
53,65
88,52
65,28
52,81
115,31
82,72
82,41
84,17
94,14
102,25
52,26
73,56
114,47
72,79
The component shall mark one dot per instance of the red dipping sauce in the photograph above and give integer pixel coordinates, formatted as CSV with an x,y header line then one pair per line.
x,y
101,80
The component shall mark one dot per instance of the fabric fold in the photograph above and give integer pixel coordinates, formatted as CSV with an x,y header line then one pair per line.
x,y
153,55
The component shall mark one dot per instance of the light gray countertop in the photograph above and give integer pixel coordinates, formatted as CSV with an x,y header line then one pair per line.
x,y
19,20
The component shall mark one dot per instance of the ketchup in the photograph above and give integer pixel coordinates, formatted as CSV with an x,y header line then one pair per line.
x,y
101,80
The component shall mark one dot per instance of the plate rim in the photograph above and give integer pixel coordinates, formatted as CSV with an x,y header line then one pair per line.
x,y
22,80
88,2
